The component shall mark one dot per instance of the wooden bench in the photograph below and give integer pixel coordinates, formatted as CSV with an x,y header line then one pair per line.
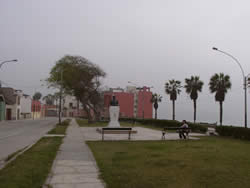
x,y
118,130
185,130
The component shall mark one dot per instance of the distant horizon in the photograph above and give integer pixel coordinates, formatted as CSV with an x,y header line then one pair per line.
x,y
145,42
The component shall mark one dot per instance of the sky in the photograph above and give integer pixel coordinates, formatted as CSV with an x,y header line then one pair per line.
x,y
147,42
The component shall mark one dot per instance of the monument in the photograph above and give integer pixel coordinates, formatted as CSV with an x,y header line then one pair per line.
x,y
114,110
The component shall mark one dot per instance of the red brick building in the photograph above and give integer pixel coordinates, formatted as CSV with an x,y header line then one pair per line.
x,y
134,102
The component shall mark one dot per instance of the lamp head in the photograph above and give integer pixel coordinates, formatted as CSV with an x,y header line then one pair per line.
x,y
214,48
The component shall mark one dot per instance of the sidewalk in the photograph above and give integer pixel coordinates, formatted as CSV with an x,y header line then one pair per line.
x,y
74,166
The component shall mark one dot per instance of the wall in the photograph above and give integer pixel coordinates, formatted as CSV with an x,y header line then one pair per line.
x,y
70,111
144,103
126,102
13,111
25,103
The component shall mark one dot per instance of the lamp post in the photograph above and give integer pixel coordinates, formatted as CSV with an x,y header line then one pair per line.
x,y
244,80
7,61
13,60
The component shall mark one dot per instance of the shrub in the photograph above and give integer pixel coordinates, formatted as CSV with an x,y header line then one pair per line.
x,y
235,132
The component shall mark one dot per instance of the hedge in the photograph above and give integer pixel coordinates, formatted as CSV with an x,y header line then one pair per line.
x,y
235,132
160,123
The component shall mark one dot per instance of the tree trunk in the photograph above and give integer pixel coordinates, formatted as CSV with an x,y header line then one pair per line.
x,y
173,109
56,106
194,111
88,113
60,109
221,112
155,113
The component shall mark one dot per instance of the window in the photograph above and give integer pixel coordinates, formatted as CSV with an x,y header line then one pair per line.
x,y
18,100
71,104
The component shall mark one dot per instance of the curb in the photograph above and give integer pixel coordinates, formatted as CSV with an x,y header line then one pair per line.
x,y
18,154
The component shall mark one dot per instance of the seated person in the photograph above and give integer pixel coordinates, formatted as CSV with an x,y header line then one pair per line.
x,y
182,131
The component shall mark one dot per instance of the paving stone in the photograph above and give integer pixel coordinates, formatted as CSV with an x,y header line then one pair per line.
x,y
89,185
90,134
73,162
81,185
74,166
74,169
75,178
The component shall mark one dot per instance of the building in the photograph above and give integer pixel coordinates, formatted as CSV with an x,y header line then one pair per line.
x,y
51,110
25,103
2,108
37,109
12,103
70,106
134,102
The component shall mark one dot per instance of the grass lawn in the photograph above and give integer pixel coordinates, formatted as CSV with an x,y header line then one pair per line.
x,y
14,154
209,162
60,129
30,169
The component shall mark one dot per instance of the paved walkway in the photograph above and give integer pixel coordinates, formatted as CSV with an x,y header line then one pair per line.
x,y
74,166
90,133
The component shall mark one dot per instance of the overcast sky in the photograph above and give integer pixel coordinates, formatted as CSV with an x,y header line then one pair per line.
x,y
144,41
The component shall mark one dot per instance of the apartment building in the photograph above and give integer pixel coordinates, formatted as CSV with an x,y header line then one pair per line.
x,y
134,101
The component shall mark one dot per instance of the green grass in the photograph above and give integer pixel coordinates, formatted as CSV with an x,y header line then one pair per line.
x,y
210,162
84,123
30,169
60,129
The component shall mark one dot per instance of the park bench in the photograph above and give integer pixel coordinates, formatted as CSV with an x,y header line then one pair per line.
x,y
118,130
185,130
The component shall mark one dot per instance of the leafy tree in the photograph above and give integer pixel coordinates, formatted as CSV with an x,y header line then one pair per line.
x,y
37,96
172,88
155,100
79,77
193,86
49,99
220,84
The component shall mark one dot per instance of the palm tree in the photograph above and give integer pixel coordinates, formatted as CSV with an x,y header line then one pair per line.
x,y
219,84
37,96
49,99
172,88
193,86
156,99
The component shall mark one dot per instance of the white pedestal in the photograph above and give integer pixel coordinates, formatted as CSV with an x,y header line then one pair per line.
x,y
114,116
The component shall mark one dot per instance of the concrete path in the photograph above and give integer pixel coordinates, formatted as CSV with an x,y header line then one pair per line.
x,y
74,166
91,134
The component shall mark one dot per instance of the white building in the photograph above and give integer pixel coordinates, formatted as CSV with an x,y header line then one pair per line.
x,y
70,106
18,105
25,103
12,100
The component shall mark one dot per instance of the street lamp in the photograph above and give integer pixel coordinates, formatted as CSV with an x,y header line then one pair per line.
x,y
7,61
13,60
244,79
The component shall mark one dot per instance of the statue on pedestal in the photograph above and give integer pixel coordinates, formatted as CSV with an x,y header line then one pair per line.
x,y
114,110
114,102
